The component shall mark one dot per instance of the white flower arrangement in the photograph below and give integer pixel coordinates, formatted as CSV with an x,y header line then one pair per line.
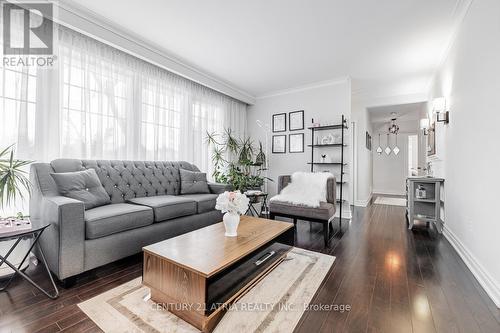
x,y
232,202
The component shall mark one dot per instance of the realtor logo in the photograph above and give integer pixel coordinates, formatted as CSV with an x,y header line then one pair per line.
x,y
28,28
28,34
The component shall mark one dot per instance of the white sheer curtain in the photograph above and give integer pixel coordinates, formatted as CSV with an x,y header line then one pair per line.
x,y
101,103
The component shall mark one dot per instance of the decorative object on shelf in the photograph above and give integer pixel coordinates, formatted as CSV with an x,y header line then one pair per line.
x,y
440,107
420,192
314,124
323,158
393,127
328,139
279,144
296,143
395,150
387,148
379,149
234,161
296,120
279,122
232,205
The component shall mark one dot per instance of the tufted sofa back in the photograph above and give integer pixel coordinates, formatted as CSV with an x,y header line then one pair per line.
x,y
125,180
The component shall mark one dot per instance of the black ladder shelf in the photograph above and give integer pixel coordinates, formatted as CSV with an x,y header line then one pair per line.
x,y
342,127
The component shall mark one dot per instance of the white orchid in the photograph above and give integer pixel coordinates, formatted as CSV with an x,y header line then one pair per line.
x,y
232,202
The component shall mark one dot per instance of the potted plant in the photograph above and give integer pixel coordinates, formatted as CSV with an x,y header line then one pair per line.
x,y
236,161
14,185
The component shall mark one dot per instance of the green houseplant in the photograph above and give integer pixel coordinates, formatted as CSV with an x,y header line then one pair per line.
x,y
236,161
14,182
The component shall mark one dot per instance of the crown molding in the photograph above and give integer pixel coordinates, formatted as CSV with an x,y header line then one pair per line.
x,y
100,28
306,87
460,13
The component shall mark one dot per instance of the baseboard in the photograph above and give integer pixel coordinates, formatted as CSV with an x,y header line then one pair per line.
x,y
363,203
388,192
482,276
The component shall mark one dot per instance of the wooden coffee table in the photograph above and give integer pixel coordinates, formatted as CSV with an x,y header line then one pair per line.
x,y
197,275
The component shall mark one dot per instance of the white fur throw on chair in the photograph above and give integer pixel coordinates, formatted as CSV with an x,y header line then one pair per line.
x,y
306,188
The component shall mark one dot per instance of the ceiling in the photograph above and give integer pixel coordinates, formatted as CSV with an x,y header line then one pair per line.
x,y
263,46
411,113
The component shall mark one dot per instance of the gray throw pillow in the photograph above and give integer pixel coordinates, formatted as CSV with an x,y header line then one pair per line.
x,y
84,186
193,182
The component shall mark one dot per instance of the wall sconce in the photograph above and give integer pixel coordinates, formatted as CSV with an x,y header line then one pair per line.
x,y
440,106
424,125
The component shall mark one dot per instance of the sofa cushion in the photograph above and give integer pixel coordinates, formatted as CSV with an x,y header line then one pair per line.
x,y
166,207
111,219
325,211
204,202
83,186
193,182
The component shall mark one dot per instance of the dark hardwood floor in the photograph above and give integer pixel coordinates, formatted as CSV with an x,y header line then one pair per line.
x,y
392,279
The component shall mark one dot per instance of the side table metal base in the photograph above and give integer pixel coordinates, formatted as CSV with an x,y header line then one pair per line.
x,y
17,270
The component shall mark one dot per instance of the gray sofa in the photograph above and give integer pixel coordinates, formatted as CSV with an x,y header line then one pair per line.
x,y
146,207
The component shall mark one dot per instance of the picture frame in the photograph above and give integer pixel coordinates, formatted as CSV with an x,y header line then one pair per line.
x,y
296,143
296,120
431,140
279,144
368,142
279,122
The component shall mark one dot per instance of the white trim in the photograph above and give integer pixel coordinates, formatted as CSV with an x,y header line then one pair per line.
x,y
383,192
363,203
480,273
306,87
98,27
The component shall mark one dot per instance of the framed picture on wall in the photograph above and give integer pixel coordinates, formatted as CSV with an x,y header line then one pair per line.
x,y
279,144
431,140
368,141
296,143
296,120
279,122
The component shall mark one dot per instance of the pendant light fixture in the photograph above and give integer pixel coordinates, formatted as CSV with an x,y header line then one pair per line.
x,y
388,149
395,150
379,149
393,128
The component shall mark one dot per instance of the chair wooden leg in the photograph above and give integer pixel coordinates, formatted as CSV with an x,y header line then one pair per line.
x,y
326,232
295,222
272,216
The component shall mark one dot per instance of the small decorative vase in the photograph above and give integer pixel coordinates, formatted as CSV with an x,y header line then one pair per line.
x,y
231,221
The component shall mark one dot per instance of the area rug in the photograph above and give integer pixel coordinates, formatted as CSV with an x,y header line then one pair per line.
x,y
390,201
275,304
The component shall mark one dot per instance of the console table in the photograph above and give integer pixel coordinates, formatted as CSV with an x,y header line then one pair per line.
x,y
424,208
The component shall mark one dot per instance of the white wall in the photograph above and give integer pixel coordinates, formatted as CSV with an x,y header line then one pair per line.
x,y
390,171
468,154
325,104
363,180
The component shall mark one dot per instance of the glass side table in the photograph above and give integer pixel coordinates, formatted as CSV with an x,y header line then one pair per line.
x,y
257,198
17,235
